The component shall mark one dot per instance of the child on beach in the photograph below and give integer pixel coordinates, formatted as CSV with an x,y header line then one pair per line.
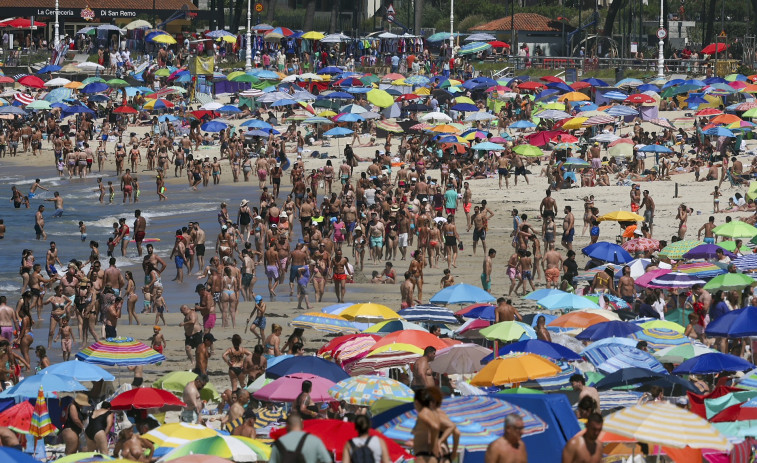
x,y
111,246
716,200
594,231
135,185
157,341
447,279
83,231
147,295
61,168
66,338
160,306
111,192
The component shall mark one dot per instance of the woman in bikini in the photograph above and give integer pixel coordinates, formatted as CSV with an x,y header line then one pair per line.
x,y
319,277
273,342
25,335
235,357
435,245
425,442
131,297
328,176
683,217
229,298
60,305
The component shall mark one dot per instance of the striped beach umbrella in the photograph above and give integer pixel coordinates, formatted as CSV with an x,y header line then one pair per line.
x,y
675,280
679,248
480,420
599,351
173,435
157,104
41,425
701,269
85,457
365,390
389,126
475,47
428,313
23,98
747,264
120,351
234,448
641,245
665,424
320,321
660,338
390,326
628,359
370,365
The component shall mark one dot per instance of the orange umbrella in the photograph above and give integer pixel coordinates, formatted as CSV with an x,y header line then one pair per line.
x,y
515,368
420,339
577,320
445,128
574,96
725,119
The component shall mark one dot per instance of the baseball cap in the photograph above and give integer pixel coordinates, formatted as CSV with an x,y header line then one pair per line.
x,y
209,337
258,298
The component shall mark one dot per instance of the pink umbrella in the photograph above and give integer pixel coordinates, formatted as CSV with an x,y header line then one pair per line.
x,y
621,141
647,278
287,388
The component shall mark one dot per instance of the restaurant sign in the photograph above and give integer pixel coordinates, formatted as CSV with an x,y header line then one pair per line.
x,y
105,13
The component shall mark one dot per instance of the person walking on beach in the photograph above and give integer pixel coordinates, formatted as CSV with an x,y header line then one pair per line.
x,y
649,207
509,448
192,413
339,270
140,227
486,275
569,231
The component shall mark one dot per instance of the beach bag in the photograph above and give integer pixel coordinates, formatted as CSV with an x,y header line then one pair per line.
x,y
291,456
361,454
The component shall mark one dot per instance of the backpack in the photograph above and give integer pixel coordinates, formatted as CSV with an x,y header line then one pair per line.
x,y
291,456
361,454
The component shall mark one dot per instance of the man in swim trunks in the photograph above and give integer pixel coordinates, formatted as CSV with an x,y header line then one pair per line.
x,y
126,185
192,331
568,229
547,208
8,319
552,263
140,225
272,269
340,269
206,307
709,236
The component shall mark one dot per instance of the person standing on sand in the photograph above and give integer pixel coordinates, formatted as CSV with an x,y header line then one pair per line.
x,y
202,354
192,413
709,236
192,331
486,275
547,208
339,270
206,307
569,231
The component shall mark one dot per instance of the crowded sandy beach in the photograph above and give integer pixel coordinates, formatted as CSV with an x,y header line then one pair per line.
x,y
508,270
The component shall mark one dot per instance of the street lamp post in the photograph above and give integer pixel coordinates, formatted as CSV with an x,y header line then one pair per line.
x,y
248,57
451,30
56,37
661,44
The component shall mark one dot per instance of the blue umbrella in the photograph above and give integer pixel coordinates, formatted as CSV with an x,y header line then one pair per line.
x,y
51,383
562,86
338,132
482,312
720,132
536,346
695,99
337,308
738,323
622,111
428,313
213,126
488,146
607,330
629,359
627,376
94,87
308,364
167,118
264,74
257,133
465,107
49,68
599,351
359,89
522,125
98,98
329,70
648,88
608,252
672,83
283,102
16,456
229,109
58,95
350,117
12,110
79,371
258,124
546,94
567,301
585,106
714,362
615,95
461,293
655,149
77,109
541,293
594,82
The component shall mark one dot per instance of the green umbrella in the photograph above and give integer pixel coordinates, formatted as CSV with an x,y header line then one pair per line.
x,y
750,113
729,281
681,353
369,79
89,80
520,390
731,246
529,151
505,331
735,229
380,98
245,78
164,72
176,381
117,83
39,104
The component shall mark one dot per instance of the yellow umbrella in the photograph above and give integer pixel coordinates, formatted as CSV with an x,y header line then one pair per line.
x,y
554,105
313,35
74,85
234,74
573,96
369,312
164,38
574,123
399,82
395,347
229,38
515,368
327,113
173,435
380,98
665,324
464,99
622,216
445,128
422,91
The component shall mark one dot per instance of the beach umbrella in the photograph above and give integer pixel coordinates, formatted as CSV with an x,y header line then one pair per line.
x,y
515,368
487,146
234,448
655,149
529,151
621,216
53,384
428,313
390,326
18,418
79,371
459,359
380,98
12,110
319,321
566,301
641,245
120,351
737,323
660,338
663,324
94,87
542,293
144,398
214,126
41,425
173,435
730,281
401,339
580,319
735,229
713,48
57,82
673,280
176,381
508,331
747,263
157,104
480,420
481,311
627,376
86,457
706,251
676,250
599,351
608,329
679,354
546,349
368,312
32,82
39,105
287,388
714,362
370,364
608,252
366,390
628,359
461,293
16,456
312,365
338,132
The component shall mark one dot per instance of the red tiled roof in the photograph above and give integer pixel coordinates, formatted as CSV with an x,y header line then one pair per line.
x,y
100,4
523,22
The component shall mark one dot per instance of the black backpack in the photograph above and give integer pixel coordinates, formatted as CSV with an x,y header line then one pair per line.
x,y
362,454
291,456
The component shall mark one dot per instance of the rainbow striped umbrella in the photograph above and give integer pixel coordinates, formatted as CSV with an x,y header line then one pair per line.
x,y
660,338
676,250
41,425
480,420
701,269
234,448
365,390
320,321
120,352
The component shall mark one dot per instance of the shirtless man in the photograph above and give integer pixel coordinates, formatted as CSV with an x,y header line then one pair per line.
x,y
502,171
578,383
58,200
407,291
486,274
39,223
648,204
423,377
197,236
626,289
709,236
51,258
542,333
569,231
126,185
132,447
8,319
111,315
339,270
273,269
297,259
202,354
113,277
140,225
192,331
585,447
192,413
505,311
547,208
510,448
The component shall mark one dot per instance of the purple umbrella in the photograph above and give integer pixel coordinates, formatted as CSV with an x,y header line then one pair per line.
x,y
707,251
674,280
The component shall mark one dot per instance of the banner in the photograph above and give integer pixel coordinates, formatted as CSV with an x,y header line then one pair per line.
x,y
203,65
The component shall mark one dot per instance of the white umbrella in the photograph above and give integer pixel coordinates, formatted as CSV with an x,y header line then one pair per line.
x,y
110,27
480,116
460,359
87,66
436,116
138,24
309,76
606,137
57,82
336,38
480,37
212,106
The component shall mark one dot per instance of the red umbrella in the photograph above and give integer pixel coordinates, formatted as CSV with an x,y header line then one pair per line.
x,y
531,86
735,413
18,418
407,97
639,98
334,344
21,23
709,112
565,138
552,79
459,149
543,137
580,85
6,80
145,397
499,44
32,81
336,433
199,114
125,110
713,48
